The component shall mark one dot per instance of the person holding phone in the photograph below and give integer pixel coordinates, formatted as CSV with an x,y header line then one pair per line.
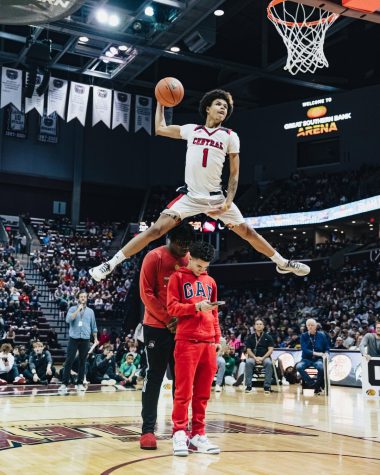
x,y
82,324
192,299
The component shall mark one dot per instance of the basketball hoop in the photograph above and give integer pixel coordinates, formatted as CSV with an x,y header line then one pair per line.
x,y
303,30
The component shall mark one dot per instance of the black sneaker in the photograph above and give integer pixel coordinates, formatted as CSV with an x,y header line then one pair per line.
x,y
248,389
267,390
239,381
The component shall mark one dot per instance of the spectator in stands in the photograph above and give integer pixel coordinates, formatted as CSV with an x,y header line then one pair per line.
x,y
221,365
104,337
315,346
21,359
8,370
339,344
127,372
52,339
23,243
259,349
82,325
370,344
104,370
34,333
10,335
41,369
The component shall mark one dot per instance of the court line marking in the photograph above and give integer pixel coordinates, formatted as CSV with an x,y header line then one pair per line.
x,y
116,467
294,425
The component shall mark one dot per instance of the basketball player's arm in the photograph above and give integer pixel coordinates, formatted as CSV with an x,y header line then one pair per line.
x,y
215,315
233,179
148,284
172,131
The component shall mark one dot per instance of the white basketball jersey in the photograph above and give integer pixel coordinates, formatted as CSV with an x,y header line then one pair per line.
x,y
206,153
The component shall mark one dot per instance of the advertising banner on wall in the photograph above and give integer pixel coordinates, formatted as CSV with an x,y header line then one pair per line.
x,y
371,378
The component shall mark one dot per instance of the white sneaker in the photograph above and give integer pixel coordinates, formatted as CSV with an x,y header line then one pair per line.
x,y
201,444
297,268
62,389
180,444
108,382
100,272
218,389
80,387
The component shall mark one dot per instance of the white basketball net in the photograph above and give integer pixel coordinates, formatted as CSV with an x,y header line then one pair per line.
x,y
303,30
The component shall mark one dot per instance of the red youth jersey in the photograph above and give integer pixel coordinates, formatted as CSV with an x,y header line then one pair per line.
x,y
185,290
158,265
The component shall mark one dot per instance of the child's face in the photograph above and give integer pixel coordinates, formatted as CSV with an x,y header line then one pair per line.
x,y
129,359
38,349
197,266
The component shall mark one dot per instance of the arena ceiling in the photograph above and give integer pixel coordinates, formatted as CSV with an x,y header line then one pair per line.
x,y
240,51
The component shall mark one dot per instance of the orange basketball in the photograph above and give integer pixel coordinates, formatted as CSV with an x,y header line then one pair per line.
x,y
169,92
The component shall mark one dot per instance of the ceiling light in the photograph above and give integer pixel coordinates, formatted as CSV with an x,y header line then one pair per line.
x,y
294,229
272,230
149,11
353,222
113,20
219,12
303,232
123,47
109,54
326,226
113,50
83,39
101,16
137,26
281,234
335,230
175,49
294,237
342,232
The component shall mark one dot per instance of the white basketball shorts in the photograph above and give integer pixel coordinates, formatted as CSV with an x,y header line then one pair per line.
x,y
184,206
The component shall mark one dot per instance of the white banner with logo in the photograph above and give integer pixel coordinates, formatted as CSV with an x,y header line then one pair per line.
x,y
78,102
101,105
48,128
121,109
36,101
371,378
57,97
143,114
11,87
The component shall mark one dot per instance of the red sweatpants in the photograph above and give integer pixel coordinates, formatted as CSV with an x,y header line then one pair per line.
x,y
195,368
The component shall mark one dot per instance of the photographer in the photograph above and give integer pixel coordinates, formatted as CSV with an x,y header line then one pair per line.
x,y
82,324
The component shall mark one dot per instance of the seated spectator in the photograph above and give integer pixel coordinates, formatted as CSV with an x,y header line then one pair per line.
x,y
339,344
259,348
229,357
8,369
221,366
41,369
370,344
10,335
52,339
104,337
315,346
127,372
104,368
21,358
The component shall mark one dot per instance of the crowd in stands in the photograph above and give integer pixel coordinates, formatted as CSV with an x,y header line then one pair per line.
x,y
303,192
65,257
346,304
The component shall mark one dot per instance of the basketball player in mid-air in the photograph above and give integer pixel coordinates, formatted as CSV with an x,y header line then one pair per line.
x,y
207,147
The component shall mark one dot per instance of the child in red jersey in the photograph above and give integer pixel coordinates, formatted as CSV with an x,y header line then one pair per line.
x,y
192,295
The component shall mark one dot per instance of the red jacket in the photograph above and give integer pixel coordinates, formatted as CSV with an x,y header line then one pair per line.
x,y
158,265
184,290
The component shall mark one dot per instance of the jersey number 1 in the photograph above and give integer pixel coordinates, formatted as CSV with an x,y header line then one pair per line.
x,y
205,155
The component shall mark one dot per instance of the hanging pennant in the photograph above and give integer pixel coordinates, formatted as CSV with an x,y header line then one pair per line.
x,y
11,87
36,101
101,105
57,97
121,109
48,128
143,114
15,123
78,102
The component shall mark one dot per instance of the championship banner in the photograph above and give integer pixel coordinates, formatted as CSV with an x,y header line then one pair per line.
x,y
143,114
57,97
36,101
48,128
15,123
101,106
78,102
371,378
121,109
11,87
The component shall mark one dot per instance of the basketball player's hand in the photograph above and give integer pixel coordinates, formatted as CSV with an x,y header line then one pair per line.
x,y
35,378
216,211
172,325
49,372
204,306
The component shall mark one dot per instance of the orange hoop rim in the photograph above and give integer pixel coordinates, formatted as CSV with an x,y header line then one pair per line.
x,y
291,24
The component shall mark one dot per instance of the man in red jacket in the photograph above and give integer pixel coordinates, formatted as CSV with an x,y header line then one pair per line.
x,y
159,326
192,295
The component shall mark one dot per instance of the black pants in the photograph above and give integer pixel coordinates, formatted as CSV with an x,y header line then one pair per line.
x,y
80,345
159,349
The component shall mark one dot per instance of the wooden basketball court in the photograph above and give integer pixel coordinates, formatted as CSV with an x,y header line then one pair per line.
x,y
97,433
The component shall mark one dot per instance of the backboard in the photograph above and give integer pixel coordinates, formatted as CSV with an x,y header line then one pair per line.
x,y
368,10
